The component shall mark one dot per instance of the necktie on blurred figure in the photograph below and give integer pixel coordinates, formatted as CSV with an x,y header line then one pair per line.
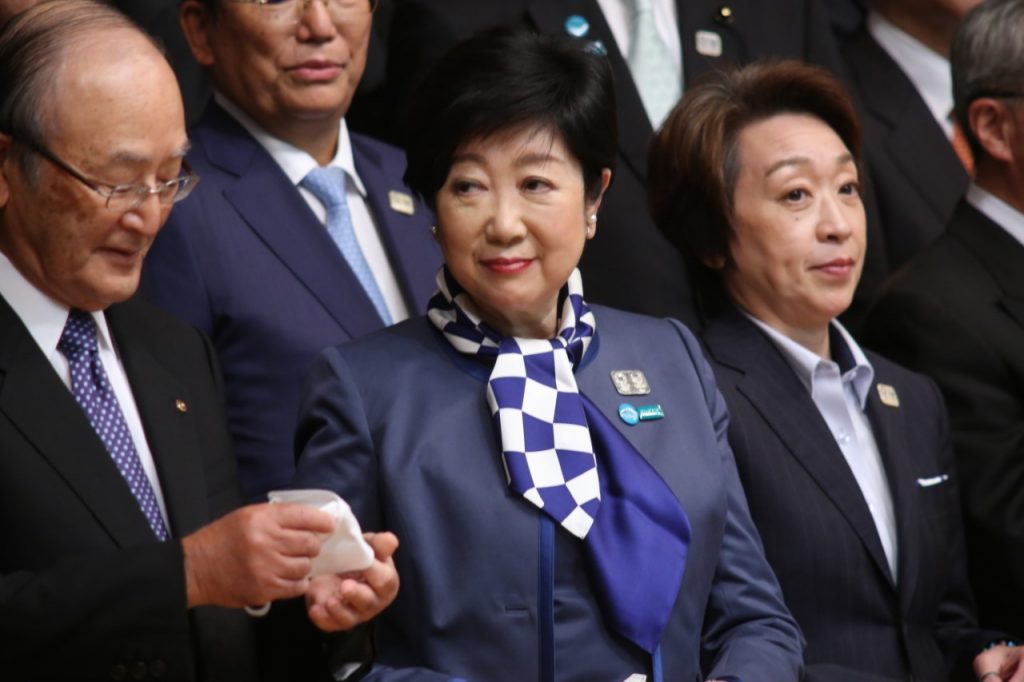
x,y
94,394
655,74
328,186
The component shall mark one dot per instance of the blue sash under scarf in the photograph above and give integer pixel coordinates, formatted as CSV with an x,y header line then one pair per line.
x,y
637,544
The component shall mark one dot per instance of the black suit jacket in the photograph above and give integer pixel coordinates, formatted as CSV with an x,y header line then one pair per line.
x,y
85,590
957,313
818,533
917,177
629,264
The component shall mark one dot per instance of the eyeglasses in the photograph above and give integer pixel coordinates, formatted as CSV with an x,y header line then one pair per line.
x,y
123,198
291,11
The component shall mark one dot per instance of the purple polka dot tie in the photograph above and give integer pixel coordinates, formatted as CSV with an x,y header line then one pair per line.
x,y
92,391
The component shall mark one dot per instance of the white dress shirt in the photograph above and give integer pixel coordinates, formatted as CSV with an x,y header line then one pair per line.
x,y
297,163
927,70
45,320
998,211
618,14
840,391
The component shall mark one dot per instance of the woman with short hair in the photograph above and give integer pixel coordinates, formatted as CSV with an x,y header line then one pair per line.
x,y
556,471
845,457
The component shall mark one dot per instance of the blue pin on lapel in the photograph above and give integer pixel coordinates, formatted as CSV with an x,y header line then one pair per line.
x,y
577,26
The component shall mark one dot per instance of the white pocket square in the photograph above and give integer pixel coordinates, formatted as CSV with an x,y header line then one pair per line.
x,y
932,481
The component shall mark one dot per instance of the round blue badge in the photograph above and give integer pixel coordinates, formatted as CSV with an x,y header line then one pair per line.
x,y
577,26
629,414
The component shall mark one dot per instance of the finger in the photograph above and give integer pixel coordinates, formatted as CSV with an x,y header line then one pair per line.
x,y
383,544
297,543
382,578
361,599
302,517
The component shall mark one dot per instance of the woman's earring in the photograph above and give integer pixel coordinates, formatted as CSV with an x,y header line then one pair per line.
x,y
591,224
433,230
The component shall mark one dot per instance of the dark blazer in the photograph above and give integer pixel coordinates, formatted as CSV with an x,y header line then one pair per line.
x,y
246,261
629,264
818,533
417,454
916,176
956,312
85,590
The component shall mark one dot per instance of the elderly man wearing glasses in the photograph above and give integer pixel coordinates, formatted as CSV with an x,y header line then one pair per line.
x,y
302,235
123,554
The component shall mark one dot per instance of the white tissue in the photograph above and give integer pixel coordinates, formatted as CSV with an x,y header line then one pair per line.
x,y
342,550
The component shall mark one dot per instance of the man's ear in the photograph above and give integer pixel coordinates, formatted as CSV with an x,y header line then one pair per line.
x,y
196,19
992,125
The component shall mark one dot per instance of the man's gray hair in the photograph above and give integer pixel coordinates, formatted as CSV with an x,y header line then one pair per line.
x,y
34,48
987,58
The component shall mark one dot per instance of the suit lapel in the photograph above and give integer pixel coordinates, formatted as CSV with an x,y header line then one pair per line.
x,y
39,405
773,389
634,127
173,442
889,426
407,242
1001,254
264,198
891,98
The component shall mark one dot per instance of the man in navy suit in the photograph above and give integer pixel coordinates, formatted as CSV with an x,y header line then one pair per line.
x,y
250,259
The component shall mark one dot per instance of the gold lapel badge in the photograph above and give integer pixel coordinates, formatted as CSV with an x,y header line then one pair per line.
x,y
887,394
181,405
401,202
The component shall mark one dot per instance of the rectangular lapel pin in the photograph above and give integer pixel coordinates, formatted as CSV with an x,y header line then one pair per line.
x,y
401,202
708,43
887,394
630,382
933,481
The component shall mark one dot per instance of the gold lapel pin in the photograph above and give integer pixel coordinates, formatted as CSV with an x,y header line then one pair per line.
x,y
181,405
401,202
887,394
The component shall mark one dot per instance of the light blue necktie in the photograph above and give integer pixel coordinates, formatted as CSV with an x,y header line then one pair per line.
x,y
93,393
328,186
655,74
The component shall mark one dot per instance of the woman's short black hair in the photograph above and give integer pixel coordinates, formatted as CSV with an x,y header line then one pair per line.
x,y
503,80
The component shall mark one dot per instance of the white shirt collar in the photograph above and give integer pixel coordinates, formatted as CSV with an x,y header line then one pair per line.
x,y
998,211
927,70
44,317
296,163
853,364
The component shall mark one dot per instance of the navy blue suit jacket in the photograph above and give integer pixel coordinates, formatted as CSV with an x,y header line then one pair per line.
x,y
818,533
398,424
246,260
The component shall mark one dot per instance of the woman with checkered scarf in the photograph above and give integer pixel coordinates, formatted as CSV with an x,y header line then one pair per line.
x,y
557,472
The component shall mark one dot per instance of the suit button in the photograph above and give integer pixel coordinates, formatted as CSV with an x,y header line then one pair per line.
x,y
119,672
157,669
138,670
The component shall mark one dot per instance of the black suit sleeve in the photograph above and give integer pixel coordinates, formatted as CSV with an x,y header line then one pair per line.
x,y
987,420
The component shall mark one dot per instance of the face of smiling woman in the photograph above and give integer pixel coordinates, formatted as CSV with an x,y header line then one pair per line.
x,y
799,226
512,220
